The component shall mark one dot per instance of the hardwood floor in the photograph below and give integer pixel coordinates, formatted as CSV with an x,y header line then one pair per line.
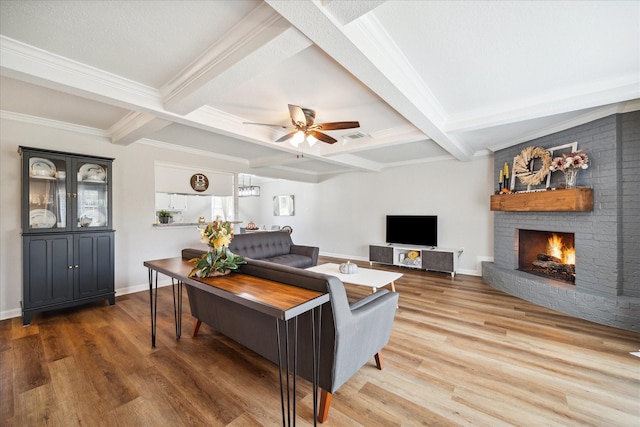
x,y
461,353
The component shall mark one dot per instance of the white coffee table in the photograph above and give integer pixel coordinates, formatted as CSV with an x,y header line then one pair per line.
x,y
368,277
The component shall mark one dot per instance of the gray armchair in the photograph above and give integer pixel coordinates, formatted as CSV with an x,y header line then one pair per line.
x,y
352,334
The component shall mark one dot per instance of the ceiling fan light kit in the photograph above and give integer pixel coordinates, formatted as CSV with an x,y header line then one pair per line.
x,y
304,127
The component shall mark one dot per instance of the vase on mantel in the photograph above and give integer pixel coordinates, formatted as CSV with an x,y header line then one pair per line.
x,y
570,177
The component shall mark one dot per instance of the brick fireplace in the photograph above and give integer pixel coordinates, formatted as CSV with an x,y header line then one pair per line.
x,y
547,254
606,287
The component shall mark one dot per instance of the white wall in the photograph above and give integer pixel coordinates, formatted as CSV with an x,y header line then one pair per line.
x,y
345,214
341,215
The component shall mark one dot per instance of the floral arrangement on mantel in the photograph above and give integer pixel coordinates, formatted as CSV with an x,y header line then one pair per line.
x,y
570,164
219,260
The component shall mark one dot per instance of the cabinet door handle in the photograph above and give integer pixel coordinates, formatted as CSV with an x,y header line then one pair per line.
x,y
70,267
69,195
76,266
75,195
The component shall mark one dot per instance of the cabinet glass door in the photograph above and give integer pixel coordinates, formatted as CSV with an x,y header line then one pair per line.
x,y
47,192
92,194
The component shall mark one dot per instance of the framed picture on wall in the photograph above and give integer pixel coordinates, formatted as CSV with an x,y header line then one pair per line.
x,y
559,151
284,205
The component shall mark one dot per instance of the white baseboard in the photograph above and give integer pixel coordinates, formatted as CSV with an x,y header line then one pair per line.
x,y
17,312
9,314
140,288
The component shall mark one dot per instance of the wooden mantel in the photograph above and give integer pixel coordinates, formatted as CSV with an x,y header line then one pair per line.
x,y
571,200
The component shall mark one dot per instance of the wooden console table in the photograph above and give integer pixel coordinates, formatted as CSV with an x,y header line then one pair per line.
x,y
281,301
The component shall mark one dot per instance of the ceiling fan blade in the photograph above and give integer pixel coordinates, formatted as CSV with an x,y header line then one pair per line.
x,y
297,116
287,136
336,125
322,137
268,124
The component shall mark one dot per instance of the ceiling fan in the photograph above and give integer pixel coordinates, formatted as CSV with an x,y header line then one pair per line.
x,y
305,128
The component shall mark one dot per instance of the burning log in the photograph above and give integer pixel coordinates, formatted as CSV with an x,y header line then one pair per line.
x,y
554,267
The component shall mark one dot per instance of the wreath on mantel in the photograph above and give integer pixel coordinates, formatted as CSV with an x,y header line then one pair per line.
x,y
522,165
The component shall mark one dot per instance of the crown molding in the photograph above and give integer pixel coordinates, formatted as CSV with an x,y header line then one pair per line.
x,y
28,63
571,99
55,124
587,117
189,167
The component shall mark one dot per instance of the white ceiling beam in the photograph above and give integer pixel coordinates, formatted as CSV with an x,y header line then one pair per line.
x,y
135,126
261,40
347,11
365,49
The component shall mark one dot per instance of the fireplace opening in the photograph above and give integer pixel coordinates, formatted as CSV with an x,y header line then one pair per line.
x,y
548,254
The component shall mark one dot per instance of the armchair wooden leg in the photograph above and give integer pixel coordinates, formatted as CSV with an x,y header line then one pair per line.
x,y
325,402
196,328
379,363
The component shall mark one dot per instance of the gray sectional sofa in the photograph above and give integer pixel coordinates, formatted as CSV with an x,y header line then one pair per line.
x,y
352,334
273,246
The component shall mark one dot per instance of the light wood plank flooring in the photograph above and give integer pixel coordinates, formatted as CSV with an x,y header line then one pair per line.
x,y
461,354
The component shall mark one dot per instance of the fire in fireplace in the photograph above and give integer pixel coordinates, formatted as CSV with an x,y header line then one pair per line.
x,y
547,253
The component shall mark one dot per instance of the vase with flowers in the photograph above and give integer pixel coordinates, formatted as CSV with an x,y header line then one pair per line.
x,y
218,260
570,164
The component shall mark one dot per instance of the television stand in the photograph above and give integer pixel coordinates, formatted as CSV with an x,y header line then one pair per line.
x,y
428,257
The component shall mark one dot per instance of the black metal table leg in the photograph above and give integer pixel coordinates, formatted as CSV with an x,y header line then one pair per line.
x,y
177,305
289,418
280,371
316,328
153,306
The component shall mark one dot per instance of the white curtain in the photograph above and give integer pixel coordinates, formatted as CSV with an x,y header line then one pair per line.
x,y
222,207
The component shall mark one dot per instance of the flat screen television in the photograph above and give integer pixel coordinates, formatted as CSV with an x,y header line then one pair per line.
x,y
420,230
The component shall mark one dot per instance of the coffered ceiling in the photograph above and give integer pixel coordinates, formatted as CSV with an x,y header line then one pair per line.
x,y
427,80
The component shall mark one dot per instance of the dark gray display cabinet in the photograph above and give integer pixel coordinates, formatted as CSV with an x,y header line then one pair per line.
x,y
67,232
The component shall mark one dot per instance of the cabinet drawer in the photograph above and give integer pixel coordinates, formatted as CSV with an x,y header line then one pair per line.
x,y
381,254
438,261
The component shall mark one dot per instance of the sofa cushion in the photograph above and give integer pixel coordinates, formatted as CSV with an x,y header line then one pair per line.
x,y
261,245
292,260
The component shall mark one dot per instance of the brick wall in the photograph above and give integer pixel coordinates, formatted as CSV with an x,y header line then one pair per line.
x,y
607,240
630,177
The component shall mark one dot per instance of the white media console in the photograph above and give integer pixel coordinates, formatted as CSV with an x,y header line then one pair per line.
x,y
429,258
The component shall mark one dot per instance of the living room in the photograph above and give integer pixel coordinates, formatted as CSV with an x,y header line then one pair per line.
x,y
341,200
